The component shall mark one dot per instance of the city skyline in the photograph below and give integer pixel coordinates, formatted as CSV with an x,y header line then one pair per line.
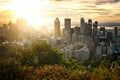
x,y
43,12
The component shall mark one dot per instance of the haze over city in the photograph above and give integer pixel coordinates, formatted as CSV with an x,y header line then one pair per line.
x,y
59,39
43,12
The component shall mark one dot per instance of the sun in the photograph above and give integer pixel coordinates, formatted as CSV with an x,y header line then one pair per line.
x,y
31,16
31,10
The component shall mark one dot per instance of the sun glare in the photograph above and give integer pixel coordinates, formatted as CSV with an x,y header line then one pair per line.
x,y
31,16
31,10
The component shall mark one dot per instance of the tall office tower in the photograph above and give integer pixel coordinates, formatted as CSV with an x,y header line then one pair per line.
x,y
115,32
86,29
77,30
109,37
90,27
67,37
95,30
67,24
12,30
82,26
102,32
5,32
71,32
74,38
57,28
90,21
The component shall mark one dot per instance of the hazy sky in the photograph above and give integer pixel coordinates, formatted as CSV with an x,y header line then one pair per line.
x,y
44,12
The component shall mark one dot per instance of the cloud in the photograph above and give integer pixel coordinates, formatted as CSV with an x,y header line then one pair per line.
x,y
91,1
118,14
6,11
59,0
74,9
99,2
2,2
6,15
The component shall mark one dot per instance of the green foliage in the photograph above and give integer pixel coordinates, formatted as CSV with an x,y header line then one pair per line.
x,y
71,63
44,62
85,63
46,54
10,69
95,63
107,72
27,57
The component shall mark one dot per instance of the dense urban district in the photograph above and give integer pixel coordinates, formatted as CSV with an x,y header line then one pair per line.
x,y
84,52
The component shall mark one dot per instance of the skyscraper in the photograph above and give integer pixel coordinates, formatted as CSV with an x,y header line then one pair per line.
x,y
90,27
82,26
95,30
102,31
57,28
115,36
115,31
90,21
67,24
86,29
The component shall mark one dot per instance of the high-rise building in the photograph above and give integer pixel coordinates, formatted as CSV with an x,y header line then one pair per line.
x,y
95,30
13,31
74,38
115,36
57,28
5,32
67,37
86,29
82,26
115,31
90,27
77,30
67,24
109,37
102,31
90,21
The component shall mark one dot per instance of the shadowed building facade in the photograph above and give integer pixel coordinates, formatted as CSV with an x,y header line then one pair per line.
x,y
90,27
95,30
67,24
82,26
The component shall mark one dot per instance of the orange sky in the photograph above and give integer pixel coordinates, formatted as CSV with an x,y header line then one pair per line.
x,y
44,12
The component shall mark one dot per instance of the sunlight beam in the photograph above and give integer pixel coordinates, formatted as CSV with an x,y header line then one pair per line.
x,y
30,10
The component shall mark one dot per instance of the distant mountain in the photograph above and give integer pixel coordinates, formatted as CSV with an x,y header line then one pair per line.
x,y
109,24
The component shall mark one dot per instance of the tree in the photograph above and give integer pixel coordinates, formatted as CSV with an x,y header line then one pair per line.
x,y
46,54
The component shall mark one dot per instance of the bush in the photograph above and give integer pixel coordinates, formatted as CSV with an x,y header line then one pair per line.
x,y
107,72
10,69
56,72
